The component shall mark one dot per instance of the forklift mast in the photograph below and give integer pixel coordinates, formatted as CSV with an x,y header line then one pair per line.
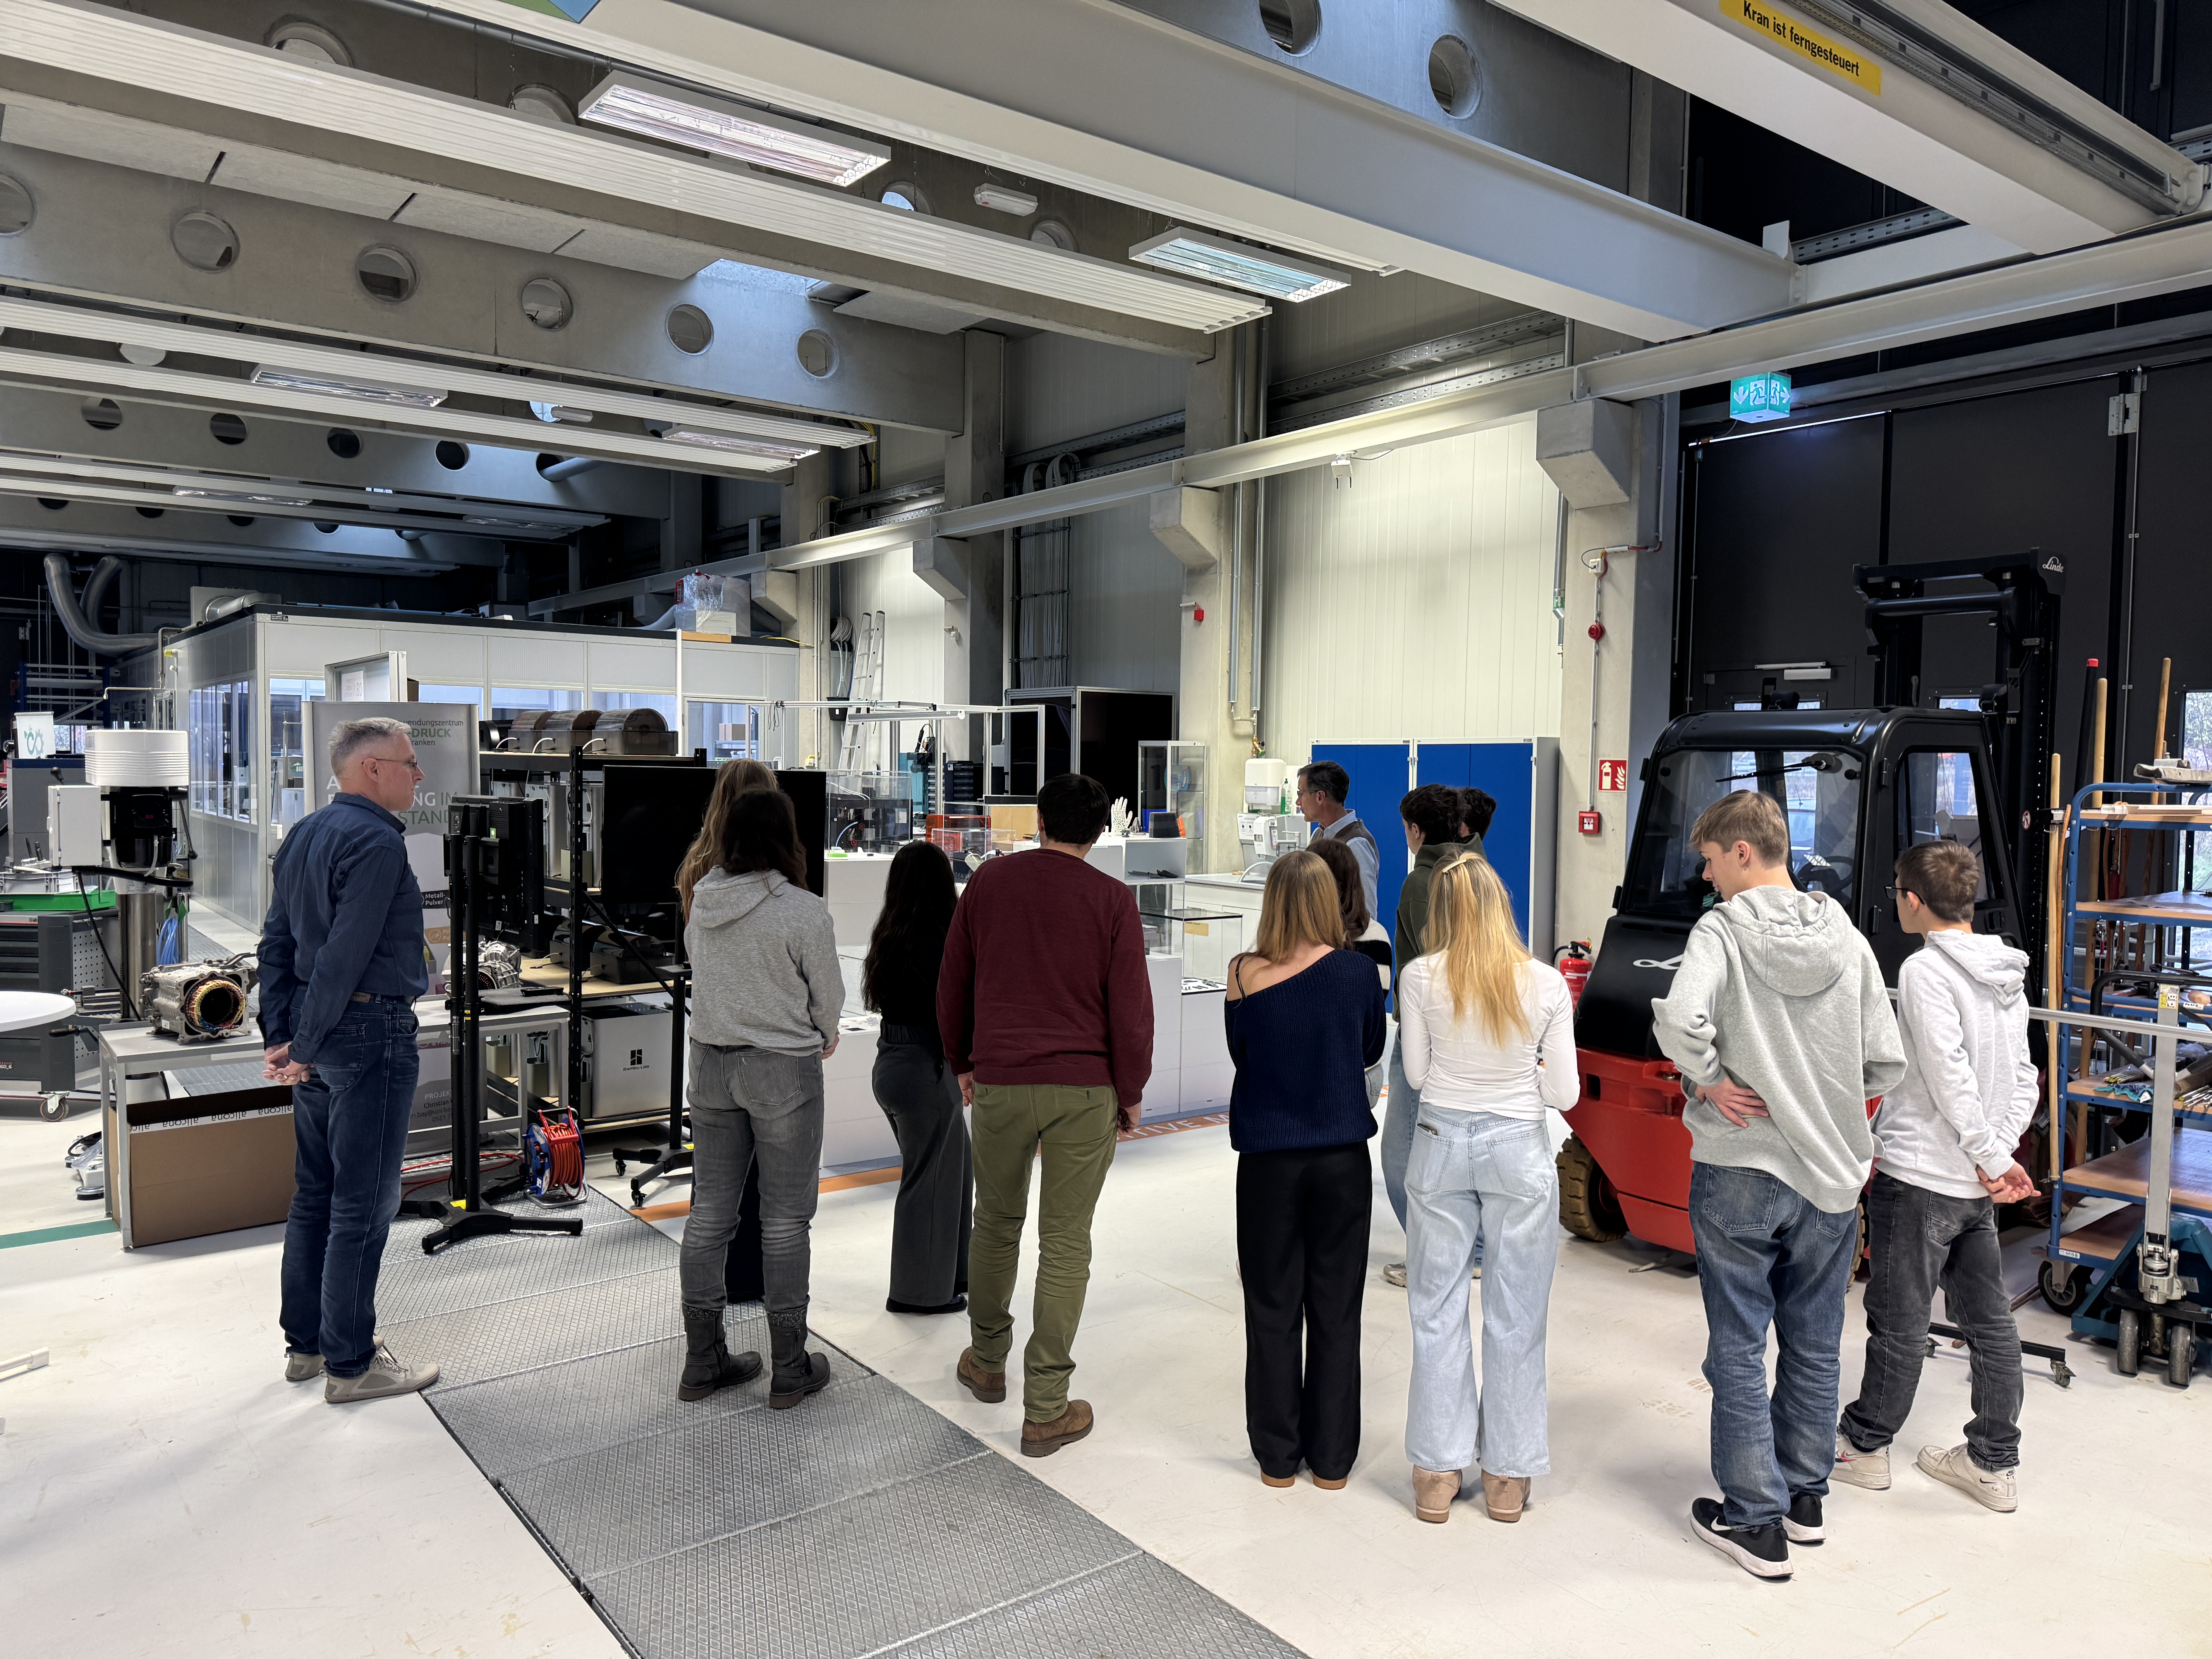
x,y
2019,593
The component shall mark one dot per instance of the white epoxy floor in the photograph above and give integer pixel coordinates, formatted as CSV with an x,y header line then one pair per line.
x,y
162,1491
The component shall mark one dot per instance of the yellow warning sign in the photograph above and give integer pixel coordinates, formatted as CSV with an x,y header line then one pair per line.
x,y
1839,61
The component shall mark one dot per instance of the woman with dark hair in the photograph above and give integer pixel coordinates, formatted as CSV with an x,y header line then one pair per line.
x,y
767,990
735,778
916,1090
1305,1022
1362,933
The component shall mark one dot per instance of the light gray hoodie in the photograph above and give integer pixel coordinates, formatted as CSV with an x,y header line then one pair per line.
x,y
1778,991
1969,1087
763,964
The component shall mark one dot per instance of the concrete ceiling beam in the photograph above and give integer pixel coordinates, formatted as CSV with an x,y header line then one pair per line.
x,y
105,527
1106,100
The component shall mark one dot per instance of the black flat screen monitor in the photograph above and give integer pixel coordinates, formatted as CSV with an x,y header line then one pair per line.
x,y
652,815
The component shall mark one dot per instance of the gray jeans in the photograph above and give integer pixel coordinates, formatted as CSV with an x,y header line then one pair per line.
x,y
748,1102
1921,1241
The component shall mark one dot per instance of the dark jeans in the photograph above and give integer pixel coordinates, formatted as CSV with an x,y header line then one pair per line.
x,y
1922,1242
936,1183
350,1123
749,1102
1302,1221
1768,1259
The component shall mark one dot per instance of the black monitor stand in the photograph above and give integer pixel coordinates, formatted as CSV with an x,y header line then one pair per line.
x,y
467,828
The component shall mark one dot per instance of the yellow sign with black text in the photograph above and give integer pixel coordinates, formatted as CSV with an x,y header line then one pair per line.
x,y
1839,61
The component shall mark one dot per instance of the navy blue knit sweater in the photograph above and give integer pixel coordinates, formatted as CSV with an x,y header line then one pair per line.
x,y
1303,1046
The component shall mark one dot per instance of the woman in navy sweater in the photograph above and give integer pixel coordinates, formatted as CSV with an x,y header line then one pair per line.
x,y
1305,1022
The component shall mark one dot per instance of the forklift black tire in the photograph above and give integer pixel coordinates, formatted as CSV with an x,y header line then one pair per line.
x,y
1588,1207
2062,1286
2127,1348
2180,1353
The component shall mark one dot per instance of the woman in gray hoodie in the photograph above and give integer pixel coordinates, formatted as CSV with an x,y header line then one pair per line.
x,y
767,991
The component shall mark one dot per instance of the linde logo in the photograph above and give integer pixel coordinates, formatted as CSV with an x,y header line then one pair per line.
x,y
1665,966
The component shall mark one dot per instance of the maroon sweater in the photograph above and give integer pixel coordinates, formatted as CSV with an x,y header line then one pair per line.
x,y
1044,978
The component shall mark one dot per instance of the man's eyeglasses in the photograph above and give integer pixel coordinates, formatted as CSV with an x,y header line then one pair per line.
x,y
411,763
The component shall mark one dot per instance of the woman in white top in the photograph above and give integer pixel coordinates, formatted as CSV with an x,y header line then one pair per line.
x,y
1476,1016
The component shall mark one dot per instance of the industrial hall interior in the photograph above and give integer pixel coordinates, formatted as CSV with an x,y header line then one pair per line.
x,y
1105,829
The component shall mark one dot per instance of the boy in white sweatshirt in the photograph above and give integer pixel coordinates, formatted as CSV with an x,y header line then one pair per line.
x,y
1943,1152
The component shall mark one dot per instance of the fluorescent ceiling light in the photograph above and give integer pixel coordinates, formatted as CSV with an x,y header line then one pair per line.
x,y
731,441
1001,198
1236,264
189,493
372,392
699,121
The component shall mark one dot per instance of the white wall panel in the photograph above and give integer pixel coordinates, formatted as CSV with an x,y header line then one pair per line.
x,y
1417,602
640,667
441,656
522,659
300,647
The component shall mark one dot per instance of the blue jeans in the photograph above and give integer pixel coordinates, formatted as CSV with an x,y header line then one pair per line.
x,y
1474,1176
1767,1258
349,1121
1405,1105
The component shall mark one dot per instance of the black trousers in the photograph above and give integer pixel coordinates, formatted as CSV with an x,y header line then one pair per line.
x,y
1302,1222
937,1184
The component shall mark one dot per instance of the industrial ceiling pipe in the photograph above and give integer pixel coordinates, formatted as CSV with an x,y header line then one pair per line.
x,y
73,619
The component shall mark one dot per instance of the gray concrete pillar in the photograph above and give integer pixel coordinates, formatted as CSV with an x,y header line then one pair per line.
x,y
973,581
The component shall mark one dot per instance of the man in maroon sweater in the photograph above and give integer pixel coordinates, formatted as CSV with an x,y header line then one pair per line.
x,y
1047,1017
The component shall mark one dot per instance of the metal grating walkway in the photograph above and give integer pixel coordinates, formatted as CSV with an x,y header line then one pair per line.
x,y
858,1523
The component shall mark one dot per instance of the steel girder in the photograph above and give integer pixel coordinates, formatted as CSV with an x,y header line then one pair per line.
x,y
285,544
1112,102
103,233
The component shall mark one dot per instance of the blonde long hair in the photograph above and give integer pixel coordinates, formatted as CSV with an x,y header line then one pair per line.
x,y
1298,907
735,778
1471,927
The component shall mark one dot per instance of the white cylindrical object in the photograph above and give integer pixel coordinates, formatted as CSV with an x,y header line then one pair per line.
x,y
136,759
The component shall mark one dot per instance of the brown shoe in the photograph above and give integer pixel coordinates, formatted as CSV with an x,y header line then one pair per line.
x,y
1337,1485
1043,1439
1433,1493
1277,1480
989,1387
1502,1496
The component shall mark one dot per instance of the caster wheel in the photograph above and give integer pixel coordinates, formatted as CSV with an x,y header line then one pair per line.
x,y
2127,1356
2180,1354
54,1108
2062,1286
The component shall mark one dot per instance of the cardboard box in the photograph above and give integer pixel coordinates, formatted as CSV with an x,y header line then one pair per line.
x,y
208,1163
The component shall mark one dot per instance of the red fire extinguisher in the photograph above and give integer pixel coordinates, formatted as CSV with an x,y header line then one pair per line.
x,y
1576,969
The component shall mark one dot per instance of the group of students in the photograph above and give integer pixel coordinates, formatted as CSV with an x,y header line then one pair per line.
x,y
1026,1001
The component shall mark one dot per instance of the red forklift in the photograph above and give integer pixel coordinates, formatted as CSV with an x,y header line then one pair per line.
x,y
1858,787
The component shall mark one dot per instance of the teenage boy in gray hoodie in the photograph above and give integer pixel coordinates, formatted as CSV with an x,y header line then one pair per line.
x,y
1780,1026
1943,1161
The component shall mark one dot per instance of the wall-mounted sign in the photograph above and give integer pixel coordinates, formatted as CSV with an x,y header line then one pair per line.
x,y
1612,774
34,736
1759,398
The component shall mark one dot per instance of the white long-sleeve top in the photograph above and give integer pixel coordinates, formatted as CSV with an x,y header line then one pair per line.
x,y
1969,1087
1456,1067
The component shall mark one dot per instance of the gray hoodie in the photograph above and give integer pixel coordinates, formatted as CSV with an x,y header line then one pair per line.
x,y
1969,1087
763,964
1778,991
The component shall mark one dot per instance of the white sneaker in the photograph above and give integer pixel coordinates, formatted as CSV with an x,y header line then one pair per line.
x,y
1993,1489
1395,1275
385,1378
302,1367
1854,1468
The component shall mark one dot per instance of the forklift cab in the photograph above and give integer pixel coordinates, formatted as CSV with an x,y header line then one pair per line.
x,y
1858,788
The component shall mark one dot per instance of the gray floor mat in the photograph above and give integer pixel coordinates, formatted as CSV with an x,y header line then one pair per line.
x,y
859,1523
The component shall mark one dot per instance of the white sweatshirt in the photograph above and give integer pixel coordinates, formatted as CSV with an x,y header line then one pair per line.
x,y
1456,1066
1969,1087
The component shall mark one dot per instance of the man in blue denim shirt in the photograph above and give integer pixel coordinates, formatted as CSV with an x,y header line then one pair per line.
x,y
341,963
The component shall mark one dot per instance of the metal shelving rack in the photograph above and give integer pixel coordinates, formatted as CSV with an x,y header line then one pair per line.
x,y
2128,939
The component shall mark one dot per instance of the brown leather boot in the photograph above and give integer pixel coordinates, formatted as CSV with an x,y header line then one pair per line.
x,y
1043,1439
1504,1497
989,1387
1433,1493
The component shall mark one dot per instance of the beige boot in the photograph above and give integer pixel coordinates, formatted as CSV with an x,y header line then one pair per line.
x,y
1505,1497
1433,1493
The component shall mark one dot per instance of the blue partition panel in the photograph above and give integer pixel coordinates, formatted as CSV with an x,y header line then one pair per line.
x,y
1507,772
1378,783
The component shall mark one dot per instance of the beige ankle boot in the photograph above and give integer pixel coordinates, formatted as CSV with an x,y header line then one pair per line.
x,y
1433,1493
1504,1497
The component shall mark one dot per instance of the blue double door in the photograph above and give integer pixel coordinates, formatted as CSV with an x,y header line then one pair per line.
x,y
1381,774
